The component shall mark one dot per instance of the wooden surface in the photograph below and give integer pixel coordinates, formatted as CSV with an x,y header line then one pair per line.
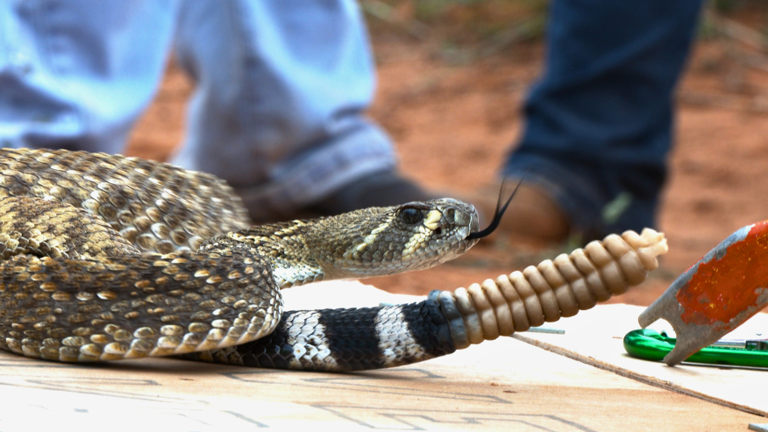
x,y
500,385
733,387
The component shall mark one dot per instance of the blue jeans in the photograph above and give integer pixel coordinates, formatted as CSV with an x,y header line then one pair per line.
x,y
278,107
599,121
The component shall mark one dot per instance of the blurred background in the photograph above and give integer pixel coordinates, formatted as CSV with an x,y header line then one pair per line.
x,y
452,78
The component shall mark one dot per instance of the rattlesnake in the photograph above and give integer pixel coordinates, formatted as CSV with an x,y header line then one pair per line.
x,y
107,257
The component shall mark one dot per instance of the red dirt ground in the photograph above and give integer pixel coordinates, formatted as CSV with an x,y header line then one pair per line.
x,y
453,125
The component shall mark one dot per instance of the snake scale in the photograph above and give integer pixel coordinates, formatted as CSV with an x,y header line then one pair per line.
x,y
108,258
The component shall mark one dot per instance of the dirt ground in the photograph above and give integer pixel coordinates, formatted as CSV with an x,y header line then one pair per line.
x,y
454,123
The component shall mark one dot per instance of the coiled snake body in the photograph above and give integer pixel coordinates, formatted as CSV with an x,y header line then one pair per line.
x,y
106,258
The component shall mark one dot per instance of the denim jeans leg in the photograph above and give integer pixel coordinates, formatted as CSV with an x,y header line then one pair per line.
x,y
281,92
599,121
77,75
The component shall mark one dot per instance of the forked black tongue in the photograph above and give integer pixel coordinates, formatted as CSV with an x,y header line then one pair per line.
x,y
499,212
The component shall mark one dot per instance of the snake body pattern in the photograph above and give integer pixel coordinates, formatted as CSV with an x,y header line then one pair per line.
x,y
107,258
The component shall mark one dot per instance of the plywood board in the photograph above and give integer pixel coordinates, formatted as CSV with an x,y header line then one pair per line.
x,y
499,385
596,337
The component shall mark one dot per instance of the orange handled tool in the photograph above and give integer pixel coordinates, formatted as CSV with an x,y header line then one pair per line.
x,y
717,294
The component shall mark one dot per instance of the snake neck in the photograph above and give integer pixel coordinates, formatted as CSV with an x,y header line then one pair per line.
x,y
283,245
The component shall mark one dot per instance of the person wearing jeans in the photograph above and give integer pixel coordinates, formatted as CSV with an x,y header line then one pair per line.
x,y
282,87
277,111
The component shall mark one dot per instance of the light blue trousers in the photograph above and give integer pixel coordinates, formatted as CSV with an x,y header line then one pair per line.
x,y
278,106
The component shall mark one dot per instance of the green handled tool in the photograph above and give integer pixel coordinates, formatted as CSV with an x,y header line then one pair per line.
x,y
650,345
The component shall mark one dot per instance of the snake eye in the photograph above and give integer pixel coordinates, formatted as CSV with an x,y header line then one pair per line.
x,y
411,215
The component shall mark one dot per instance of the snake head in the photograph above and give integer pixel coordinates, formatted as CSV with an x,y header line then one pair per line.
x,y
387,240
